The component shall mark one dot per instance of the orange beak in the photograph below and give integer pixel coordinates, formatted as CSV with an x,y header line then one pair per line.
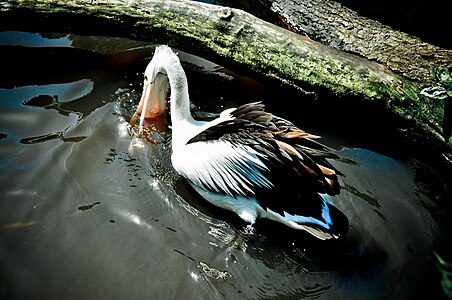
x,y
143,105
153,101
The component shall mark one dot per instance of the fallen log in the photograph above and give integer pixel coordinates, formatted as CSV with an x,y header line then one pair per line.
x,y
333,24
235,38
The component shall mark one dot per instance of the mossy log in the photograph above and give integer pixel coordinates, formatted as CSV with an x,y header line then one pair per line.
x,y
235,38
333,24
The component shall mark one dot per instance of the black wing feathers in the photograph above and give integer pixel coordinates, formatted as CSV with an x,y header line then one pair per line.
x,y
297,162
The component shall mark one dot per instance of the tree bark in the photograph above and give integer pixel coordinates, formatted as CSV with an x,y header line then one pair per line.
x,y
332,24
235,38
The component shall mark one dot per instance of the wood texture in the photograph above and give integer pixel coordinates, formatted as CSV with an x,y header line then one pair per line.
x,y
330,23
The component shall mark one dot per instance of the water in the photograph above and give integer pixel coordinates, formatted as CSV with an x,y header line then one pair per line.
x,y
81,217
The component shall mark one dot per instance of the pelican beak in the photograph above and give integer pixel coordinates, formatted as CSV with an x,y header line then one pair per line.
x,y
153,101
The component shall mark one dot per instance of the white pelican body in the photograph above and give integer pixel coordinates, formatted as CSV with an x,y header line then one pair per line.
x,y
246,160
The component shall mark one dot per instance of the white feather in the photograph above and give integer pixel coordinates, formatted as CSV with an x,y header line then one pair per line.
x,y
221,166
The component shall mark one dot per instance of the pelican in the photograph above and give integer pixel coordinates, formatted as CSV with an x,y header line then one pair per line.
x,y
246,160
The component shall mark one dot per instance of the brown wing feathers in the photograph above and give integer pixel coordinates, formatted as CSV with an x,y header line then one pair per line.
x,y
297,144
280,140
312,159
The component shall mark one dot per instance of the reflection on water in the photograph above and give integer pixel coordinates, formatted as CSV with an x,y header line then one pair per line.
x,y
27,39
88,212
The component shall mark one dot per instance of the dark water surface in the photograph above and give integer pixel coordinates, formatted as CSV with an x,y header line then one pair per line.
x,y
86,215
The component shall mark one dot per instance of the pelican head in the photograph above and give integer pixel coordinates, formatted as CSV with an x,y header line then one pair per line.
x,y
164,68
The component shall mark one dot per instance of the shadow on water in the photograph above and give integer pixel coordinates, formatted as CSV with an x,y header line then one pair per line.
x,y
86,214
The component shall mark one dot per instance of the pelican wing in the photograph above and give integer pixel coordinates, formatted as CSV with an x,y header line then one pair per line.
x,y
286,154
257,155
223,167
